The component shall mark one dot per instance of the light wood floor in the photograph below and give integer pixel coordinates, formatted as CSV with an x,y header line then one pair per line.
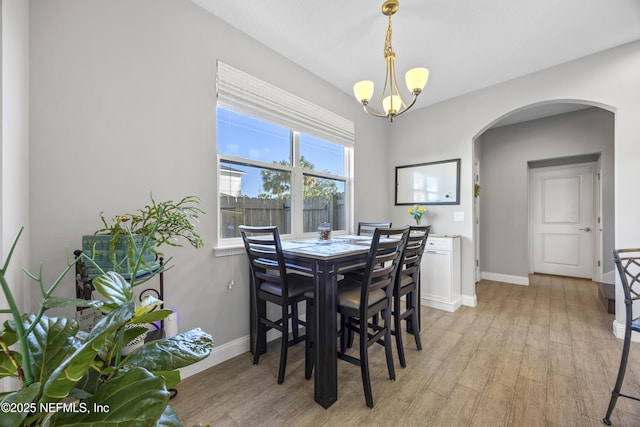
x,y
537,355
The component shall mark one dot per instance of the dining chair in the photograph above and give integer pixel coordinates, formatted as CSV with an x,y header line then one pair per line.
x,y
359,299
627,263
271,283
367,228
407,285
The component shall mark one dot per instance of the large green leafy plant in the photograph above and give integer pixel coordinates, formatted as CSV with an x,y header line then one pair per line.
x,y
70,377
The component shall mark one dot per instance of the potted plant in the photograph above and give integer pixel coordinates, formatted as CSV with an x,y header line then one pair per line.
x,y
70,377
116,244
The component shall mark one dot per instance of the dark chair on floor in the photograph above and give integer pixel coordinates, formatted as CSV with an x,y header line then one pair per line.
x,y
272,283
359,300
367,228
407,285
628,265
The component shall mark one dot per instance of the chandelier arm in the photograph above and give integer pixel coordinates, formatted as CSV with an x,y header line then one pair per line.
x,y
384,87
413,101
372,112
394,84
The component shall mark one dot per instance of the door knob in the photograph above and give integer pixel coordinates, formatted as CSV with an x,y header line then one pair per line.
x,y
585,229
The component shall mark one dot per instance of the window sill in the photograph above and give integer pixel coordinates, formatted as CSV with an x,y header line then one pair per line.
x,y
221,251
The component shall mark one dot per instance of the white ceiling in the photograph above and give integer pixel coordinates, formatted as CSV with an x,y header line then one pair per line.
x,y
466,44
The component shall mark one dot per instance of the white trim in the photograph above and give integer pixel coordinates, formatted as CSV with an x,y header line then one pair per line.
x,y
470,300
507,278
220,251
441,305
225,352
609,277
618,331
219,354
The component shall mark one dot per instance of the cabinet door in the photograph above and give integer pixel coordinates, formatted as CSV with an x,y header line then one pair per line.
x,y
435,275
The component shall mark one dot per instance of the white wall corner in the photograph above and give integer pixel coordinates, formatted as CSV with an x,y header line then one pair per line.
x,y
470,300
507,278
609,277
618,331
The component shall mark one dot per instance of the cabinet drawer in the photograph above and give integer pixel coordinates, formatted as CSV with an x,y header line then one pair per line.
x,y
438,243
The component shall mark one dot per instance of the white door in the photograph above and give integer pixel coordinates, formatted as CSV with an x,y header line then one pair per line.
x,y
562,215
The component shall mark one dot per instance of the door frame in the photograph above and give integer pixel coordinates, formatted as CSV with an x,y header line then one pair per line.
x,y
596,273
476,219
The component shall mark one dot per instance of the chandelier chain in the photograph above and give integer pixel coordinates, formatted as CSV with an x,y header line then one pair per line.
x,y
388,49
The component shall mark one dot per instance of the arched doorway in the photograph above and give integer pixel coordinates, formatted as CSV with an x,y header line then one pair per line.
x,y
503,150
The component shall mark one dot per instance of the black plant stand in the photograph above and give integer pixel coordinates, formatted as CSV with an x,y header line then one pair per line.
x,y
85,288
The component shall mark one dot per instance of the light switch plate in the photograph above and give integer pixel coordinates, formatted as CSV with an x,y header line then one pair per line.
x,y
458,216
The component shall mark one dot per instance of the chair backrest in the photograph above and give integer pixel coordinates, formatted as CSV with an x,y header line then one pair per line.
x,y
412,253
367,228
627,262
383,260
265,255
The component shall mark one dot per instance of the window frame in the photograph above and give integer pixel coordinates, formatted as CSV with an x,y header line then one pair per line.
x,y
297,185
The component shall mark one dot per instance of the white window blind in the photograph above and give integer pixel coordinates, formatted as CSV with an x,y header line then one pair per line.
x,y
246,94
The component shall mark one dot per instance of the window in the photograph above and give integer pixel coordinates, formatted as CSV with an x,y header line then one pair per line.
x,y
289,172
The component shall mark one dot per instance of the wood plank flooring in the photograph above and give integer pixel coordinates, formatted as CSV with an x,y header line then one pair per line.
x,y
537,355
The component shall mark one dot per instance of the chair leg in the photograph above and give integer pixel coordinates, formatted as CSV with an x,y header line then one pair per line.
x,y
345,332
414,320
284,344
349,332
261,332
387,343
396,313
364,363
615,393
294,320
397,327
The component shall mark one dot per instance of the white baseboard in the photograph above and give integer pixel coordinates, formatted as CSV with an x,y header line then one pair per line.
x,y
219,354
506,278
609,277
618,331
470,300
441,305
225,352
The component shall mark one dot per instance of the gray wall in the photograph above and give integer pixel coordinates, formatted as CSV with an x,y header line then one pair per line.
x,y
505,152
123,104
448,129
14,147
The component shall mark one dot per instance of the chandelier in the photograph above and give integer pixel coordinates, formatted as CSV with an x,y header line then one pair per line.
x,y
391,103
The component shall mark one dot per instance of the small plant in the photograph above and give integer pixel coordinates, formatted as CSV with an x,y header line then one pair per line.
x,y
417,212
177,221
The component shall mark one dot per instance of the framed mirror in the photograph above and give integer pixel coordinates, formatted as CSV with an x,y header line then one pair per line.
x,y
435,183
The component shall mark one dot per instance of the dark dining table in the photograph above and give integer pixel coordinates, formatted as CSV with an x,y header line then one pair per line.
x,y
325,260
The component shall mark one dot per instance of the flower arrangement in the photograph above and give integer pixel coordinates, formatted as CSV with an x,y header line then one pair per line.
x,y
417,212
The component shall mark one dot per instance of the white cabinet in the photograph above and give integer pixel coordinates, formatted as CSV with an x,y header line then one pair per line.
x,y
440,273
